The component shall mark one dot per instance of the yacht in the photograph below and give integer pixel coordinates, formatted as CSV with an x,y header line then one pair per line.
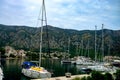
x,y
30,69
1,73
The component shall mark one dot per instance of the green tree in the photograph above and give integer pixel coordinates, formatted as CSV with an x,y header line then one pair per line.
x,y
2,50
118,75
108,76
89,78
84,78
96,75
77,78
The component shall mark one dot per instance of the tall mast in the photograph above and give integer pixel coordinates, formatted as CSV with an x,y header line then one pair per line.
x,y
77,50
95,43
109,50
88,45
43,20
102,43
69,46
88,49
82,48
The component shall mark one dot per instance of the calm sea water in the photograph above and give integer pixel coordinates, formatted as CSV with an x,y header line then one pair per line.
x,y
12,68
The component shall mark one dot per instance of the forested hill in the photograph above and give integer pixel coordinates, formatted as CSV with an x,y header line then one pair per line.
x,y
24,37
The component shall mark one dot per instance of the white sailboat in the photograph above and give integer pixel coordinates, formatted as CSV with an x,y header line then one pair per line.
x,y
84,60
67,60
80,59
100,66
97,65
30,69
1,74
1,71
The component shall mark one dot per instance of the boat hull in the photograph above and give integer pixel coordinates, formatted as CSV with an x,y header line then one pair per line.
x,y
1,74
36,74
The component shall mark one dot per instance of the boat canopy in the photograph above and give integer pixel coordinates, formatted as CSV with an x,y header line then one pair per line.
x,y
28,64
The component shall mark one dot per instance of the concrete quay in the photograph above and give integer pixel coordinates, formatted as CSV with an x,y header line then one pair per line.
x,y
63,77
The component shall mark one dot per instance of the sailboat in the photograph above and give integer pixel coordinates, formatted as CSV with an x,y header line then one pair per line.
x,y
100,66
83,60
1,74
67,60
80,59
31,69
1,71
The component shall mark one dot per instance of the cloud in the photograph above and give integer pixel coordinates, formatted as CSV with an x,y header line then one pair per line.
x,y
74,14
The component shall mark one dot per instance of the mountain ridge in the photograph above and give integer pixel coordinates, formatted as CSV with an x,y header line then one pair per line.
x,y
25,37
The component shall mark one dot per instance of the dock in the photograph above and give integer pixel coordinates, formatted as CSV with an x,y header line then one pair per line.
x,y
64,77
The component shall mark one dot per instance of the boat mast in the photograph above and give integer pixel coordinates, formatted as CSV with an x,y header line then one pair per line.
x,y
108,51
102,43
69,46
88,45
82,48
95,43
79,48
77,52
43,20
88,49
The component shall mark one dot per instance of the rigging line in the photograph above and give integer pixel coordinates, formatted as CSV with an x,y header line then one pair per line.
x,y
43,20
41,35
40,39
39,17
48,45
41,11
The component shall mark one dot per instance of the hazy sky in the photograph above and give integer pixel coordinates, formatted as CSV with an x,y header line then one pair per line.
x,y
69,14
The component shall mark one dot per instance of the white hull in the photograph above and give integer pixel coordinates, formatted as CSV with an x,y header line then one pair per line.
x,y
81,60
1,74
36,74
103,68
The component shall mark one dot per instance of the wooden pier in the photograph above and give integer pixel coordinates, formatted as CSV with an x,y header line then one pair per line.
x,y
64,77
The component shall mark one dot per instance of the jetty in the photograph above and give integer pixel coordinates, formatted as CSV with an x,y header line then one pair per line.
x,y
64,77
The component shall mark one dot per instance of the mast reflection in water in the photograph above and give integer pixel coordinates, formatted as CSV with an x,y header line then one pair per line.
x,y
12,68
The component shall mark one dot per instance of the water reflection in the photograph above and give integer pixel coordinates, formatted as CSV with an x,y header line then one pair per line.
x,y
12,68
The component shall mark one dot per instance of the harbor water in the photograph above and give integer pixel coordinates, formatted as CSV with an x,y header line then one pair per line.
x,y
12,68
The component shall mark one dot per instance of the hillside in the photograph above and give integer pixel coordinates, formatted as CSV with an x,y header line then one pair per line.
x,y
27,38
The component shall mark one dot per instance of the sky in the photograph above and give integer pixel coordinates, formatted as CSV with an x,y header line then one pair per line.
x,y
67,14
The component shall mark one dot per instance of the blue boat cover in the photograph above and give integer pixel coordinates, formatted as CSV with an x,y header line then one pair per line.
x,y
28,64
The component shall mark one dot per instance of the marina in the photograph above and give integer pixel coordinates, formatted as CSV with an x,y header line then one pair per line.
x,y
57,69
63,44
14,66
